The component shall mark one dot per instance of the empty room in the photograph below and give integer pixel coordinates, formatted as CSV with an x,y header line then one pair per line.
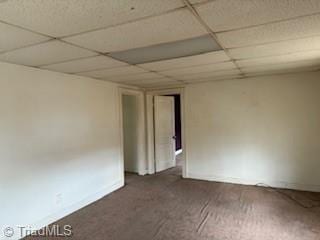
x,y
160,119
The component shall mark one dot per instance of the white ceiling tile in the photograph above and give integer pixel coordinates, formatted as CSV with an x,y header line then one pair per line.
x,y
294,57
215,78
300,65
206,58
108,73
173,26
135,77
45,53
85,64
287,30
158,83
198,1
61,18
279,71
197,76
282,71
222,15
14,37
278,48
199,69
152,80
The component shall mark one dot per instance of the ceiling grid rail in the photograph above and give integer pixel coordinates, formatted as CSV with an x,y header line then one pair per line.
x,y
212,34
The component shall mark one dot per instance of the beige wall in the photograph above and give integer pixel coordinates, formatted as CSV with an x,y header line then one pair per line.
x,y
59,144
262,129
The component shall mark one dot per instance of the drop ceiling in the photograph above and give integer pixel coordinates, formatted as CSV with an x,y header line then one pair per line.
x,y
131,41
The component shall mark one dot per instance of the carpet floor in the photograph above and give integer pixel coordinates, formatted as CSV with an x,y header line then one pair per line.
x,y
165,206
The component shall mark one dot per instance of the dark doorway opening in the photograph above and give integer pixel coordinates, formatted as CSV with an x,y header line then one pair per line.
x,y
177,117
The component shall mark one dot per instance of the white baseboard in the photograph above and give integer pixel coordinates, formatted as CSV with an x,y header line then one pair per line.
x,y
72,208
275,184
143,172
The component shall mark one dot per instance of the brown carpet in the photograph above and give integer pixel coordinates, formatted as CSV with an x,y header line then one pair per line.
x,y
164,206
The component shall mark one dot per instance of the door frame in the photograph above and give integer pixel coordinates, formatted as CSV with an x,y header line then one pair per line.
x,y
150,127
141,144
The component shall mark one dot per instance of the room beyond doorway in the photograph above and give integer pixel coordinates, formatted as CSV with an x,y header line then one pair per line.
x,y
177,122
178,136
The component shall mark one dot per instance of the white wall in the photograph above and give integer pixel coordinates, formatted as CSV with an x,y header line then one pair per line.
x,y
262,129
130,133
59,144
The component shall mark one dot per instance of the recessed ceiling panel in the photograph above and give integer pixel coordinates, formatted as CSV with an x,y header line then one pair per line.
x,y
222,15
13,37
85,64
134,77
173,26
279,48
206,58
61,18
170,50
294,57
199,69
287,30
45,53
108,73
197,76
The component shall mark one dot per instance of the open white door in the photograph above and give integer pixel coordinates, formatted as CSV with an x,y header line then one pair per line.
x,y
164,133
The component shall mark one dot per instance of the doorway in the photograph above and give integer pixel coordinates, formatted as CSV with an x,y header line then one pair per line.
x,y
130,133
159,116
133,131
